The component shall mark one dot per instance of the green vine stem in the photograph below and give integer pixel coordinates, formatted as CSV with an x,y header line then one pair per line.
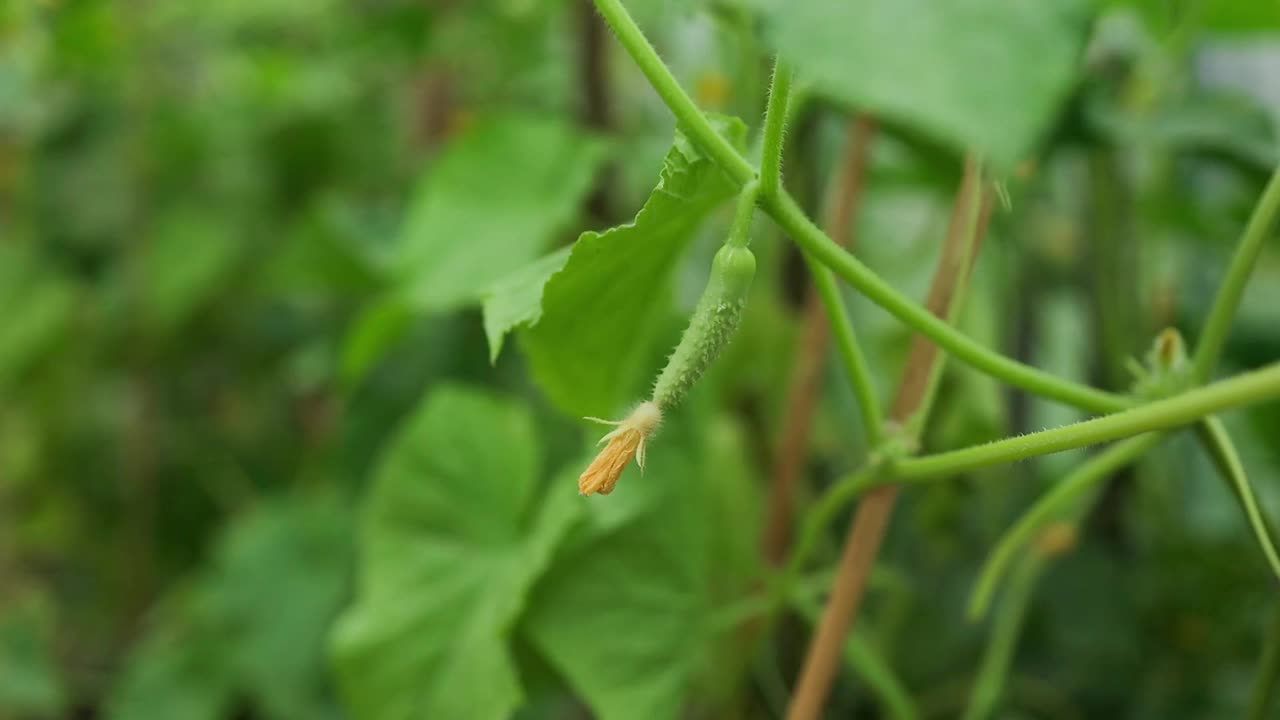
x,y
1214,437
1214,334
1182,409
820,517
1264,687
998,657
743,212
1062,499
691,119
775,122
851,355
792,219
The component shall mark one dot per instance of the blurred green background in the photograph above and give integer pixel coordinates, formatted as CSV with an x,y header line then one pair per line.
x,y
245,387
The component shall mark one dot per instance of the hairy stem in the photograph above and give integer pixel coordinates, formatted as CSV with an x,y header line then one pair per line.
x,y
691,119
1246,389
1214,335
775,121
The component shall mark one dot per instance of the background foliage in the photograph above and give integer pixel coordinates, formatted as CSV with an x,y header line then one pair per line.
x,y
261,455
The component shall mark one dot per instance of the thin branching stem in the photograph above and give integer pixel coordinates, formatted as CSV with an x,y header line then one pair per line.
x,y
998,656
1223,312
1217,442
851,355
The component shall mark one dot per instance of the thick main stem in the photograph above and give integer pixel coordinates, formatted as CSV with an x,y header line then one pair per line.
x,y
1245,389
872,518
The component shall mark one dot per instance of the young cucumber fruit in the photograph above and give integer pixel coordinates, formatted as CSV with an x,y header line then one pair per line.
x,y
714,320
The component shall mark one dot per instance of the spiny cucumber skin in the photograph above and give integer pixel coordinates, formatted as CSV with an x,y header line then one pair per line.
x,y
712,325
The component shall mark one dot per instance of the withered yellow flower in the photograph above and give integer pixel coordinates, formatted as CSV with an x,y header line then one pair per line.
x,y
620,445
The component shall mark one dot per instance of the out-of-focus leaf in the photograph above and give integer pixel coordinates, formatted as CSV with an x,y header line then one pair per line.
x,y
1223,125
490,204
599,313
1217,17
628,612
29,681
250,627
179,670
187,257
452,539
1240,16
379,327
978,74
279,580
37,306
323,257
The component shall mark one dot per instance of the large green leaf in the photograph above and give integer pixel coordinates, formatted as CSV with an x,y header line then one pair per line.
x,y
628,614
490,204
252,625
178,670
189,257
982,74
452,539
592,318
40,305
30,685
279,579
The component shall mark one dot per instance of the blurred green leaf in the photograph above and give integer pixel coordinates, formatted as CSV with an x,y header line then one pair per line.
x,y
186,260
600,312
628,613
373,332
1216,16
1242,16
987,75
490,203
30,685
279,579
453,537
38,306
178,671
252,626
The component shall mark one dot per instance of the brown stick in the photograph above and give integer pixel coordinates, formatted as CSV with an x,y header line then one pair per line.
x,y
802,391
872,518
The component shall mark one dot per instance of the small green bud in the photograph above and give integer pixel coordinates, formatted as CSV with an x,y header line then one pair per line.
x,y
713,323
1167,370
